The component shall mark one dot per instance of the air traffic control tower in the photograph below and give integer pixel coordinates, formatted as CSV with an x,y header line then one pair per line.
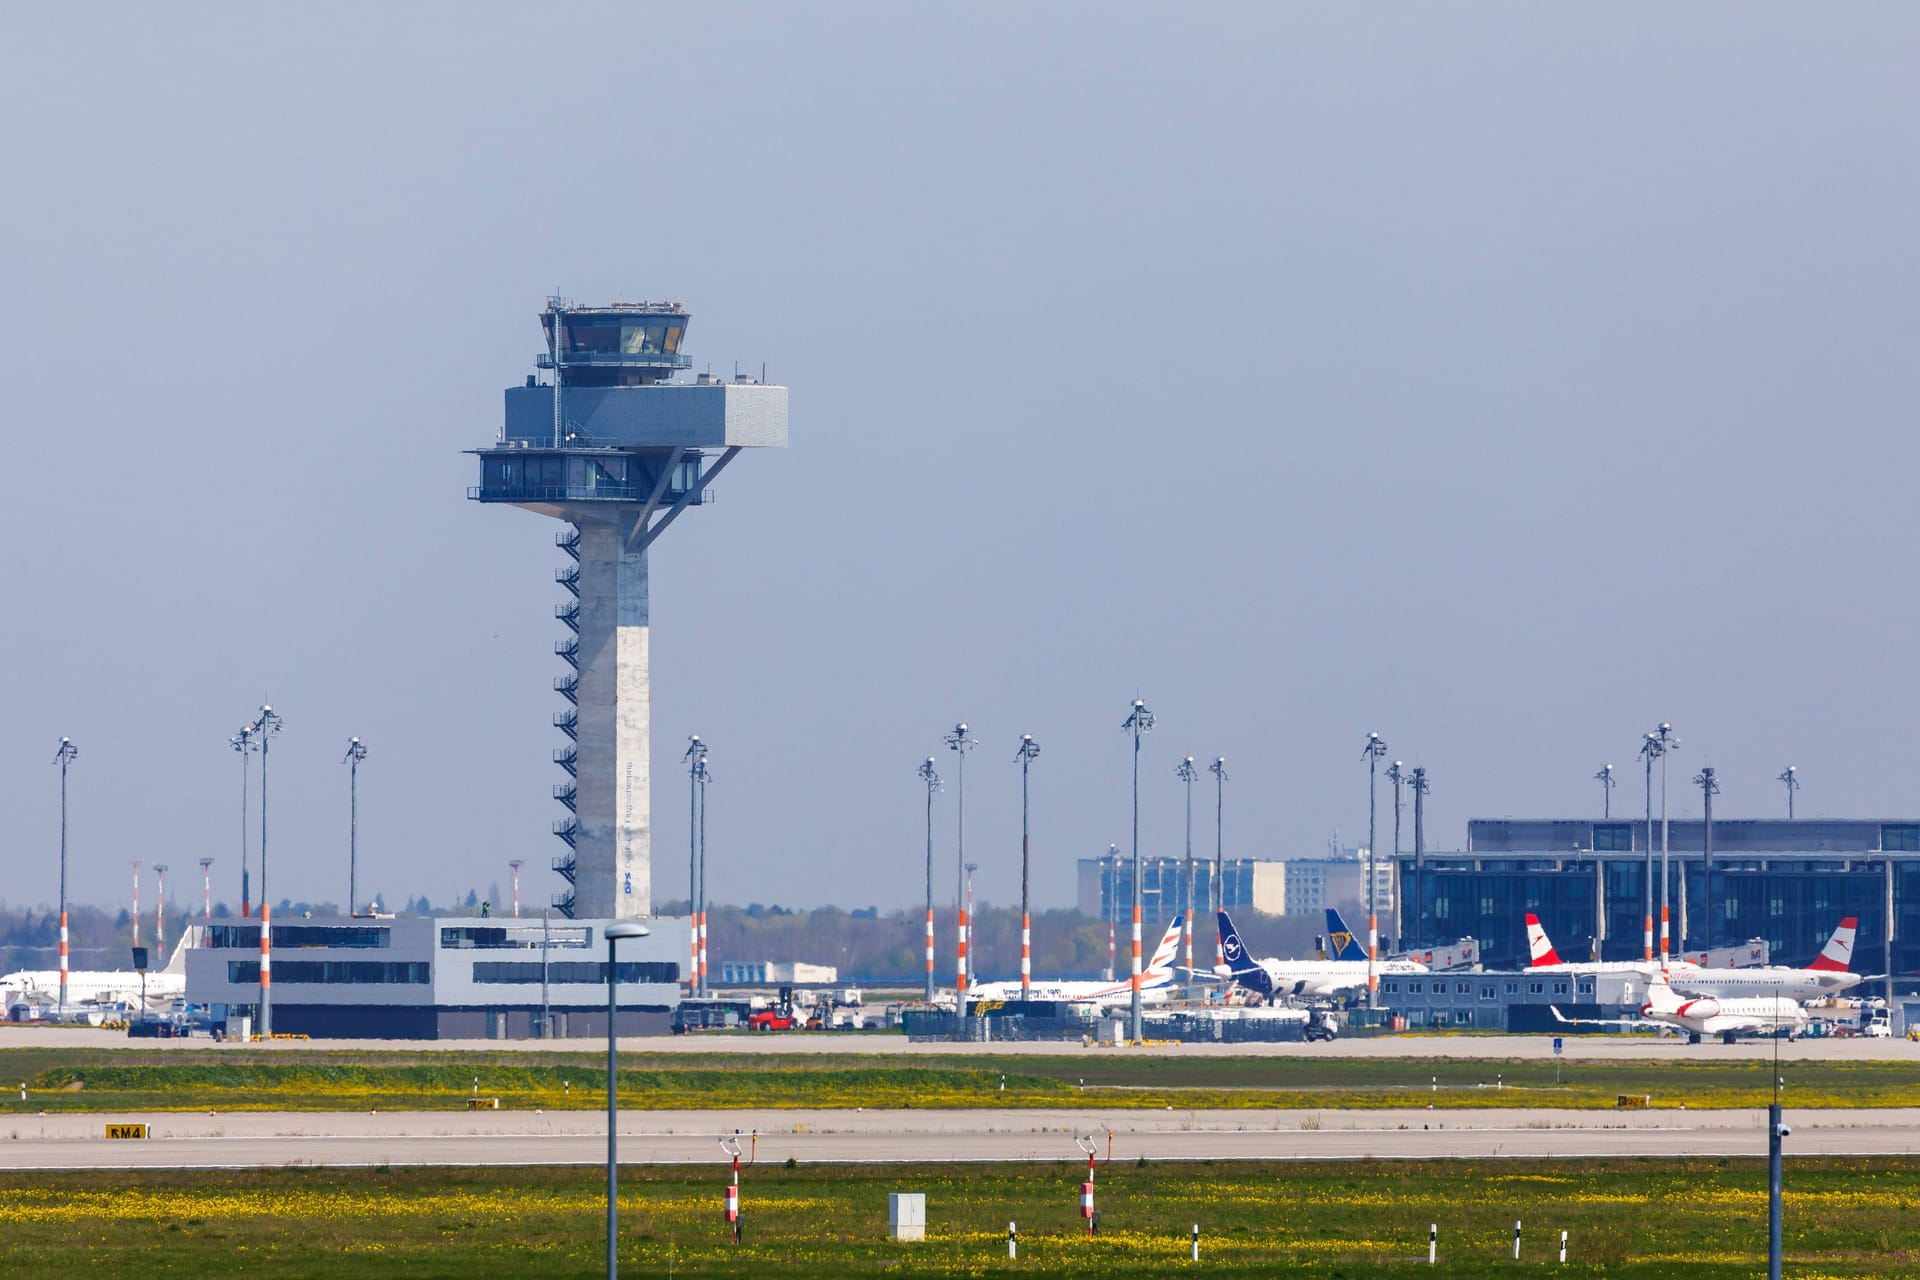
x,y
618,445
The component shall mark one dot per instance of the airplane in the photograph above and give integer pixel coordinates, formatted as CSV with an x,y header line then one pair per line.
x,y
1707,1015
1827,974
1830,972
95,990
1547,960
1155,979
1317,979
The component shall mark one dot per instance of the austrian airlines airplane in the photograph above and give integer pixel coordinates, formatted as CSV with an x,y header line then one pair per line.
x,y
1546,959
1826,975
1830,971
1154,981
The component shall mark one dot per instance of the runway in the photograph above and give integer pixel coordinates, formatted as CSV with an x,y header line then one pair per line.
x,y
281,1139
1596,1048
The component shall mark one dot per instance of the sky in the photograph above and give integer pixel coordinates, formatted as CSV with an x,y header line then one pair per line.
x,y
1504,379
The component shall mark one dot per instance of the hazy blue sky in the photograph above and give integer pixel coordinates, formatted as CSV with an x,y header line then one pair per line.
x,y
1505,378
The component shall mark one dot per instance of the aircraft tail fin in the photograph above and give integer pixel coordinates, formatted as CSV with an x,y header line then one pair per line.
x,y
1340,940
1240,963
1538,944
1837,955
1168,950
177,962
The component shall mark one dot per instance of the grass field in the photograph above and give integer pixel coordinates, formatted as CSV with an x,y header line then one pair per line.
x,y
1625,1218
240,1079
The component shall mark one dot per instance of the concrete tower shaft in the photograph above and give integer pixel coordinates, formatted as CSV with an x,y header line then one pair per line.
x,y
612,875
617,450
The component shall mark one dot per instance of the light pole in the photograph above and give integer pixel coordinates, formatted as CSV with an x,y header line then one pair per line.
x,y
160,911
206,887
932,779
1667,743
1650,749
1418,782
1709,788
959,743
694,755
1112,903
1396,774
136,902
1138,721
1607,784
268,725
1790,776
1028,750
615,933
705,776
243,743
356,752
514,865
65,754
1187,773
1219,771
1375,751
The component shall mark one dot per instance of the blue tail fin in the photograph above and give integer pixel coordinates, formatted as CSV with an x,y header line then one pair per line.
x,y
1240,962
1341,944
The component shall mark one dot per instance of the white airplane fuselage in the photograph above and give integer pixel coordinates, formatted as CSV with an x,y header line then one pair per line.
x,y
1774,980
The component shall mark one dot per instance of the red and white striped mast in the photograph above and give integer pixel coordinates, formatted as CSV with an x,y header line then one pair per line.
x,y
960,743
1028,750
206,887
516,864
1187,773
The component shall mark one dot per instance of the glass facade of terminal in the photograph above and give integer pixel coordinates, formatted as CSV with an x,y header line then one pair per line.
x,y
1788,882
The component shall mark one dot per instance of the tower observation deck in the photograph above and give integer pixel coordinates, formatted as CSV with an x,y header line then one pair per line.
x,y
618,445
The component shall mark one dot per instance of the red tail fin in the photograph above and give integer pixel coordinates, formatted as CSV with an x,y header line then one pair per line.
x,y
1837,955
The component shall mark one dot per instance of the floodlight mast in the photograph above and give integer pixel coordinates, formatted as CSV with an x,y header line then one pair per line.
x,y
356,752
1418,782
705,777
160,910
1790,776
1650,750
1219,771
932,780
959,742
695,756
1709,788
264,729
1375,751
1029,750
1139,721
1187,773
243,743
1668,743
1606,780
65,754
1396,774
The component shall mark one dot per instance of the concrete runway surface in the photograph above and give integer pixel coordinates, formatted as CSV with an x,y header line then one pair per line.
x,y
1597,1048
276,1139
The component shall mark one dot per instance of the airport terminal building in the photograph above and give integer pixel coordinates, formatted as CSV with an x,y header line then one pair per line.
x,y
428,978
1788,881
